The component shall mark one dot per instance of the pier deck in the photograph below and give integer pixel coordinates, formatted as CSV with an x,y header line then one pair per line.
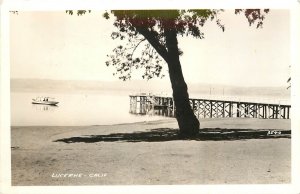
x,y
210,108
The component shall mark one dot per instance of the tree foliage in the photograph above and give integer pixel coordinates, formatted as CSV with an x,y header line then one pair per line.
x,y
146,31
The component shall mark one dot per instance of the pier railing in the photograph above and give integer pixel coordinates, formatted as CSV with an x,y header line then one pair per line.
x,y
208,108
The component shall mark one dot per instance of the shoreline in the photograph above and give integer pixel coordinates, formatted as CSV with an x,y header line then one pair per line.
x,y
96,125
286,125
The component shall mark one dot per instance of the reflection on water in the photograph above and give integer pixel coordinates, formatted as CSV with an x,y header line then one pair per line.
x,y
148,109
166,112
41,107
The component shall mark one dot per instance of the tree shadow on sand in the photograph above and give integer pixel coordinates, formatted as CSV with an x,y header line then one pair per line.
x,y
167,134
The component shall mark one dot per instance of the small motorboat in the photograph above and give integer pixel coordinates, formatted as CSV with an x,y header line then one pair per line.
x,y
44,101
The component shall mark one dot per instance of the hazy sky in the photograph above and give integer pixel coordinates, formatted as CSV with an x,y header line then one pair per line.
x,y
55,45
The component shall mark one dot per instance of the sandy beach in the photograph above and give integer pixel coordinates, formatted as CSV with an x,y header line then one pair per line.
x,y
227,151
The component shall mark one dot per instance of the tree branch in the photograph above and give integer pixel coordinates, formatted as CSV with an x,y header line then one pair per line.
x,y
142,40
150,36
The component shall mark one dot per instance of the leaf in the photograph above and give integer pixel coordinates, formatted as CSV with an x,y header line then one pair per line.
x,y
106,15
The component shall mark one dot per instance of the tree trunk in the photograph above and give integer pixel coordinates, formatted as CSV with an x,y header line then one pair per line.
x,y
188,123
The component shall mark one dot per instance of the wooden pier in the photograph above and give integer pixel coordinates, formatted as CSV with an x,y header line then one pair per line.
x,y
208,108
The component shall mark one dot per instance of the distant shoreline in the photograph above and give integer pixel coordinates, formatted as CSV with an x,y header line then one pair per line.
x,y
134,86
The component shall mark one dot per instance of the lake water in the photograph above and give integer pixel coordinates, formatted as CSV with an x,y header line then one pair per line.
x,y
92,108
74,109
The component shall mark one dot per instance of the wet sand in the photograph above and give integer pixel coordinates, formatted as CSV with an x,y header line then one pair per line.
x,y
227,151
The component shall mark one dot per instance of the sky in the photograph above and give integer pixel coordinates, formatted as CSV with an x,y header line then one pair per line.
x,y
55,45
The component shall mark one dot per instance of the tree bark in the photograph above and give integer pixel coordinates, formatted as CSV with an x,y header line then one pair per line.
x,y
188,123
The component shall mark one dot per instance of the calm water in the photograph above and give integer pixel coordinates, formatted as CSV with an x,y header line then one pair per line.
x,y
74,109
92,108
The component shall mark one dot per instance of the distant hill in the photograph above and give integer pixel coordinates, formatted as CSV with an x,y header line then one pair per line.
x,y
276,92
135,86
45,85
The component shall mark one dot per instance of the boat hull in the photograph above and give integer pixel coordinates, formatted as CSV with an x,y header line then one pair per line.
x,y
46,103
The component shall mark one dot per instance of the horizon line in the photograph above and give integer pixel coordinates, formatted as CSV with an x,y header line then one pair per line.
x,y
155,80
